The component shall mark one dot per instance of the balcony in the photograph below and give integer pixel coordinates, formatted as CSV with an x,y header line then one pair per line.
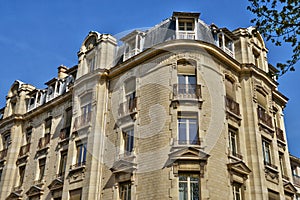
x,y
128,107
279,134
82,121
264,117
64,133
296,180
270,165
228,51
131,53
232,106
3,154
187,142
187,91
24,150
44,141
187,35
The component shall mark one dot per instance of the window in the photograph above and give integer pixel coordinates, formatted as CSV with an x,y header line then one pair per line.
x,y
81,154
128,137
266,152
21,174
237,191
48,126
6,140
188,129
91,64
63,163
1,172
282,163
130,95
68,117
86,113
189,187
187,84
125,190
233,141
76,194
28,135
186,25
229,86
273,195
42,167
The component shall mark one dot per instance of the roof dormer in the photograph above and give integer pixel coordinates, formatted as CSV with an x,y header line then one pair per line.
x,y
134,43
186,25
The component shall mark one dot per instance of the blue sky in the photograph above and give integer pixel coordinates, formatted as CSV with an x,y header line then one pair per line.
x,y
38,36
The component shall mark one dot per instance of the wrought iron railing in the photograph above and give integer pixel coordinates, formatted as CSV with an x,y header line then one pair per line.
x,y
232,106
188,142
78,164
64,133
44,141
3,154
82,120
131,53
128,106
187,91
24,149
296,180
189,35
271,165
279,134
264,117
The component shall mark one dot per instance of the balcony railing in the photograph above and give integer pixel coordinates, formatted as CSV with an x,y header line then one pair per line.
x,y
190,91
128,107
228,51
64,133
24,149
296,180
237,155
186,35
82,120
77,165
188,142
44,141
131,53
3,154
264,117
279,134
271,165
232,106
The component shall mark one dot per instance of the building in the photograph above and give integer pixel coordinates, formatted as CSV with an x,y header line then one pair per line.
x,y
182,110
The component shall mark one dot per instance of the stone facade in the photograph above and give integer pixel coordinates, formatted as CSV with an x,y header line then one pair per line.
x,y
183,110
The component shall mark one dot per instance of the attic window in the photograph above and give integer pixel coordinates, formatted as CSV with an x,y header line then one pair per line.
x,y
186,25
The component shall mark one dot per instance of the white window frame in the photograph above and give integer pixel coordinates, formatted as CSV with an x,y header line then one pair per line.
x,y
189,183
267,155
127,189
237,191
188,117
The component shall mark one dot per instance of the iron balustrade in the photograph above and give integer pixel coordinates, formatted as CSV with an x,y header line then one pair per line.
x,y
187,91
128,106
233,106
44,141
3,154
189,35
279,134
82,120
296,179
264,117
64,133
188,142
24,149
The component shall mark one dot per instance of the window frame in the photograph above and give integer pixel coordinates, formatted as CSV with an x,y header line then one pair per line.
x,y
63,162
42,168
237,191
188,119
128,140
127,189
187,194
267,151
81,153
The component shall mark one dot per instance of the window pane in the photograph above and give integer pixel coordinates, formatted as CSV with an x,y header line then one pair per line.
x,y
193,131
195,190
183,191
182,131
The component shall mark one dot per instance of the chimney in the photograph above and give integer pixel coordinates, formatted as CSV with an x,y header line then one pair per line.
x,y
62,71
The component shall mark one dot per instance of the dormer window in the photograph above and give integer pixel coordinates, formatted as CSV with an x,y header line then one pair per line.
x,y
186,25
224,39
133,43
